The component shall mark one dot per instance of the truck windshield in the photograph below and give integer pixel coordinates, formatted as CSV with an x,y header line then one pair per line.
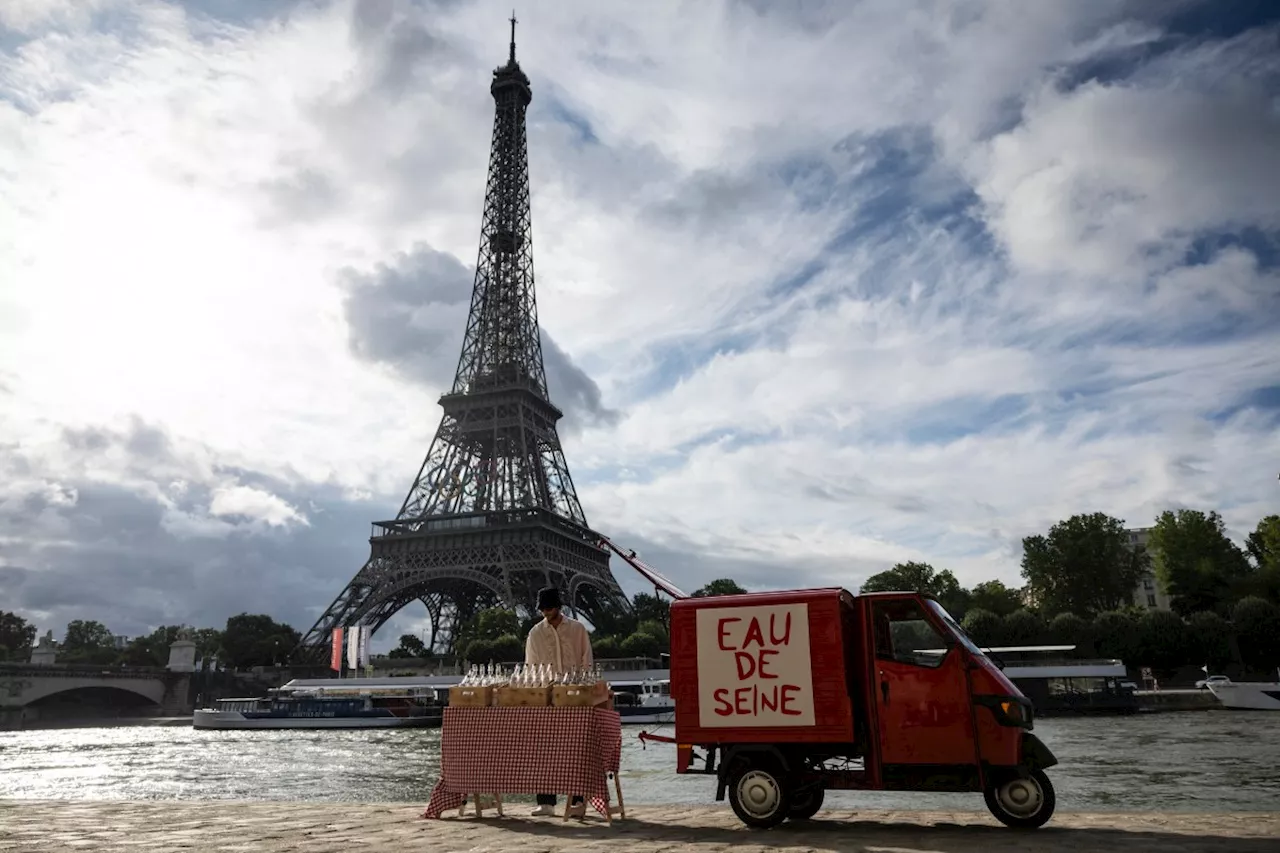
x,y
941,613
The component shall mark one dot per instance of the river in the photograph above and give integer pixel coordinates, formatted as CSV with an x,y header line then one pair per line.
x,y
1195,761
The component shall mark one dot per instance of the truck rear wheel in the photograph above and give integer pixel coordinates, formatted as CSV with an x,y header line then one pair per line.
x,y
806,803
759,794
1022,803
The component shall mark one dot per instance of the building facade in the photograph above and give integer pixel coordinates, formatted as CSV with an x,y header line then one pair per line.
x,y
1147,594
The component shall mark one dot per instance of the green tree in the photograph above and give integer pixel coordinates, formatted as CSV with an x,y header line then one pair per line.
x,y
1083,566
642,645
87,641
984,627
1263,547
489,624
647,607
479,651
151,649
1263,543
1196,563
1069,629
257,640
656,628
1257,626
720,586
411,646
922,577
1163,640
605,647
1210,640
995,597
1023,628
208,642
507,648
1115,635
17,636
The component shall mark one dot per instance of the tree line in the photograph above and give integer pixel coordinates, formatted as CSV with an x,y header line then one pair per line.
x,y
1081,577
247,640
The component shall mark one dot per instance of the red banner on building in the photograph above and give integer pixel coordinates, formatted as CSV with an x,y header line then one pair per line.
x,y
335,658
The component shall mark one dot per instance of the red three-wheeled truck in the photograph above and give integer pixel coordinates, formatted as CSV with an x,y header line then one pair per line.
x,y
785,695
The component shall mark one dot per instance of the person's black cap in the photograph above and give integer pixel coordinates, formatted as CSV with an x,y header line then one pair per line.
x,y
548,597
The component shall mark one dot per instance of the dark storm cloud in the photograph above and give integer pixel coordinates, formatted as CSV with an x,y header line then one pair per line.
x,y
148,553
572,389
411,315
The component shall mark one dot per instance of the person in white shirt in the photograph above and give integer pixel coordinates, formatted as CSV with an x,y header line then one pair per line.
x,y
562,644
558,641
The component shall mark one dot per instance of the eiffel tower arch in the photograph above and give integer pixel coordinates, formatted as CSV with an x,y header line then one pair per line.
x,y
493,515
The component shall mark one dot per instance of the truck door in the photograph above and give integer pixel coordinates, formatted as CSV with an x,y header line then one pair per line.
x,y
921,692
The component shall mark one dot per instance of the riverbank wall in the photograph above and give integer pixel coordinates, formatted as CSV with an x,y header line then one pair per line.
x,y
318,827
1176,700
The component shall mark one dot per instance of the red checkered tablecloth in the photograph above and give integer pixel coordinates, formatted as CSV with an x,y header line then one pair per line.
x,y
567,751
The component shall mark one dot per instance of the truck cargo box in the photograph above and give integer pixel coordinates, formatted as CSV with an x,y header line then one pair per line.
x,y
764,667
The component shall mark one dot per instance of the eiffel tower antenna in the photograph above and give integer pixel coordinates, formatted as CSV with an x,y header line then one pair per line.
x,y
493,514
512,60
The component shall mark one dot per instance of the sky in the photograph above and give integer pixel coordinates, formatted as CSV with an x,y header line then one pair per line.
x,y
824,286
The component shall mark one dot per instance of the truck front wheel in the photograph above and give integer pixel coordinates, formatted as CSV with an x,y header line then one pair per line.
x,y
759,794
1023,803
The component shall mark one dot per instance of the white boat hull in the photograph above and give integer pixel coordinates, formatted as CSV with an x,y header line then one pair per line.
x,y
208,719
1247,695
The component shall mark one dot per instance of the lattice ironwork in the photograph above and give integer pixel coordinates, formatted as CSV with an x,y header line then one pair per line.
x,y
493,514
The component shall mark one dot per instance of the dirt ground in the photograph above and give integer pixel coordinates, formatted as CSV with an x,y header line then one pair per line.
x,y
314,827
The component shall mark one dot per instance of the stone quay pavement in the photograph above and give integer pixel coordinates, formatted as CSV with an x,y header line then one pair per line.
x,y
271,827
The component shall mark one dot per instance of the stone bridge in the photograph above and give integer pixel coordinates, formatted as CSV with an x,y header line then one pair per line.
x,y
31,693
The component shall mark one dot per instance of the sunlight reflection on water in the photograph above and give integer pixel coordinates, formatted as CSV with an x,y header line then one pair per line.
x,y
1195,761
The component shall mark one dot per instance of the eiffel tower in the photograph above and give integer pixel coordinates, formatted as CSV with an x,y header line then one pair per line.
x,y
493,515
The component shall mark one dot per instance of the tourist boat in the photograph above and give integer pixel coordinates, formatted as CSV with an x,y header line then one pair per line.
x,y
1062,686
1247,695
644,703
334,706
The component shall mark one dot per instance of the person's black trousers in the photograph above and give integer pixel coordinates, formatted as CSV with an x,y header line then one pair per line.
x,y
550,800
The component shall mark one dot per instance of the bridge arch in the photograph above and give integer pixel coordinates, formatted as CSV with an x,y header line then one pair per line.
x,y
30,688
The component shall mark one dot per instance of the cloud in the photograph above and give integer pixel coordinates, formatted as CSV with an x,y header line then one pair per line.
x,y
411,315
823,286
127,526
1115,179
254,504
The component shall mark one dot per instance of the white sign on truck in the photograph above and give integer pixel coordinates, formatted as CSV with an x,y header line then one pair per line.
x,y
754,666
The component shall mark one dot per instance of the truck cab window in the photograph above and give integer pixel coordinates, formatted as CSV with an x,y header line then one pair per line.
x,y
903,634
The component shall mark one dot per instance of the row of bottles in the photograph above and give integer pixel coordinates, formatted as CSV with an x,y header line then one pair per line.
x,y
533,675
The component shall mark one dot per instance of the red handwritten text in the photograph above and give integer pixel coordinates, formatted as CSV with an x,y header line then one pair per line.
x,y
752,657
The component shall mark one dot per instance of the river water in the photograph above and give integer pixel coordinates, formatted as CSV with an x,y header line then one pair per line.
x,y
1201,761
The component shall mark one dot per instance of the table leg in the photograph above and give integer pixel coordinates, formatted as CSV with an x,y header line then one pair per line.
x,y
617,786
